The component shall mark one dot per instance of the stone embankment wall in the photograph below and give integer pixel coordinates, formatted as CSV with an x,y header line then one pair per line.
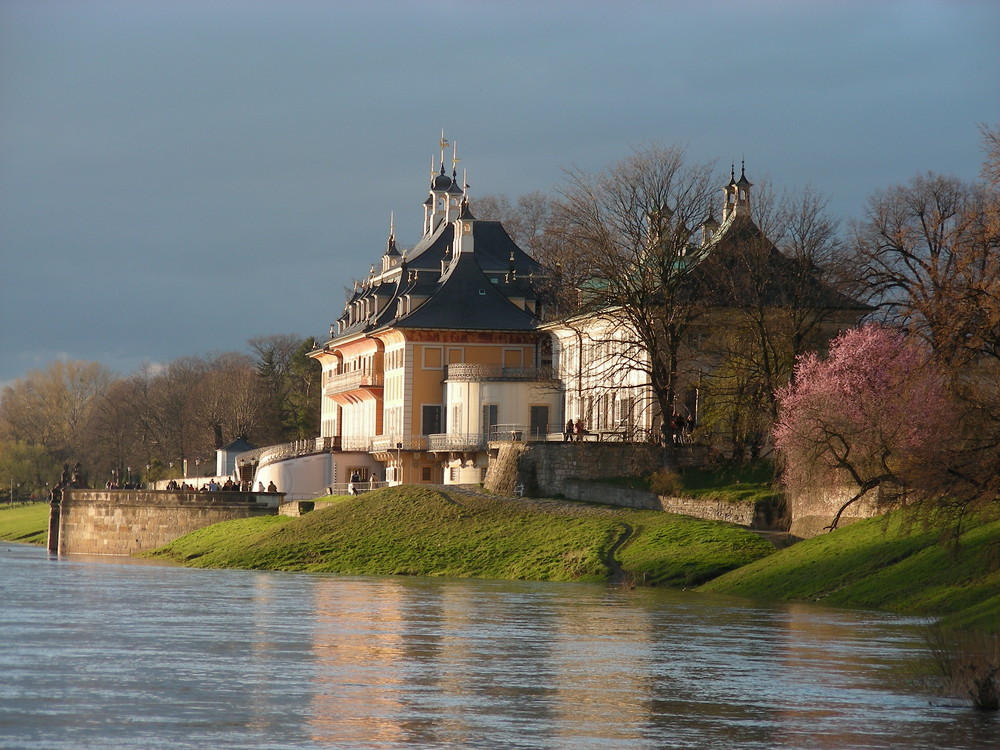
x,y
568,469
756,515
123,522
542,468
813,511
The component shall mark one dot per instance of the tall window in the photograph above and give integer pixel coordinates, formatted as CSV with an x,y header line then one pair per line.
x,y
431,419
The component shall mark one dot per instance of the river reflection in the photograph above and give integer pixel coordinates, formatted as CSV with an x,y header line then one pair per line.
x,y
107,654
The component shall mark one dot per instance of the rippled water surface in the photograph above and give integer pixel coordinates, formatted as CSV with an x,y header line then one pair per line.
x,y
104,654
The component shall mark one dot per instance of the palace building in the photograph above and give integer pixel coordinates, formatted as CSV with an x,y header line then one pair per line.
x,y
441,350
437,350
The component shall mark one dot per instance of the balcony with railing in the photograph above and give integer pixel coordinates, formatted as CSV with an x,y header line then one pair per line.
x,y
469,372
352,381
356,443
522,432
385,443
472,441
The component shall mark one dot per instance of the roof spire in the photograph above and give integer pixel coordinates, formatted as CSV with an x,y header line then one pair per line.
x,y
454,160
390,245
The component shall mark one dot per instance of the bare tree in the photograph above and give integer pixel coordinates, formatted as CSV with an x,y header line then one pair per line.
x,y
116,433
633,226
53,407
527,219
929,256
228,401
991,147
930,250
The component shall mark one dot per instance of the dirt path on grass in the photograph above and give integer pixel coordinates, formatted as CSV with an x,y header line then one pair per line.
x,y
619,576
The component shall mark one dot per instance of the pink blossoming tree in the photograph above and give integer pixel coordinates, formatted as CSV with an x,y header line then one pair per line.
x,y
871,413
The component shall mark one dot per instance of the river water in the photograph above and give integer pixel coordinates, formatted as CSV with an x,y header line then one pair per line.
x,y
114,654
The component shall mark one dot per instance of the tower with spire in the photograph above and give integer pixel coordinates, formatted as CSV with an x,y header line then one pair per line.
x,y
736,193
443,203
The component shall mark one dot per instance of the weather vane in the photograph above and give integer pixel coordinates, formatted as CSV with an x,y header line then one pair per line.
x,y
444,145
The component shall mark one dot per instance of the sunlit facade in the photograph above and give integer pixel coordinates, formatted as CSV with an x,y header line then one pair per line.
x,y
437,350
605,373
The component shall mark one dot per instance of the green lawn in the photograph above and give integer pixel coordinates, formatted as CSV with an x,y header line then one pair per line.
x,y
753,482
24,523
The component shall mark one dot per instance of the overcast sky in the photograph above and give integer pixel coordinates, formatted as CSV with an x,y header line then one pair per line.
x,y
178,176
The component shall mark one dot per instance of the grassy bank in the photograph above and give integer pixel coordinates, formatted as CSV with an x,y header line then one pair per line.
x,y
24,523
896,562
414,530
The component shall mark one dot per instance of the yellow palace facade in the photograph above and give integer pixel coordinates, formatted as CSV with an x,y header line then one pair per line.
x,y
437,353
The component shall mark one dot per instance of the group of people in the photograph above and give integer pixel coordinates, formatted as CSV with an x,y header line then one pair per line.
x,y
354,487
228,486
681,428
574,431
114,484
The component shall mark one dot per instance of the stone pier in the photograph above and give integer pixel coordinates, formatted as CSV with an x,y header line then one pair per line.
x,y
123,522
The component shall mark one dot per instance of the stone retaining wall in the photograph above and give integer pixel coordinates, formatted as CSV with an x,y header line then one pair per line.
x,y
542,469
756,515
123,522
813,511
547,469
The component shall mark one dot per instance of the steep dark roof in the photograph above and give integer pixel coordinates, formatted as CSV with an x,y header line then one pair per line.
x,y
494,247
444,291
769,278
428,253
466,299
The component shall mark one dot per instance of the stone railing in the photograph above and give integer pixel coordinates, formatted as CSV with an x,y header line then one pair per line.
x,y
384,443
356,443
271,453
519,432
467,372
457,442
